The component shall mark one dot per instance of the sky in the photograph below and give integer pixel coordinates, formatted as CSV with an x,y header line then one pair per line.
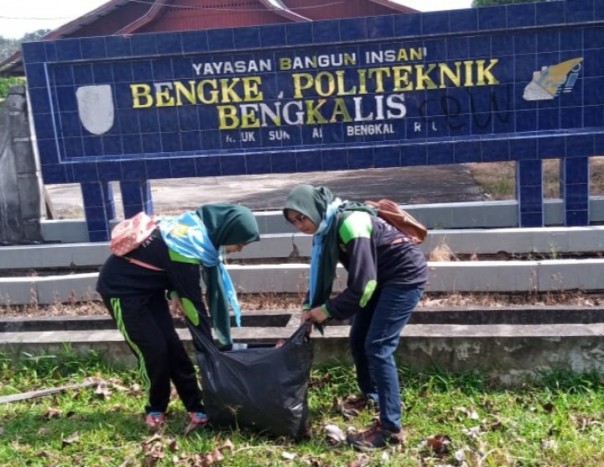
x,y
19,17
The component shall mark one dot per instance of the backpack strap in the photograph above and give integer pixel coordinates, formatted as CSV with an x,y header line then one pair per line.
x,y
142,264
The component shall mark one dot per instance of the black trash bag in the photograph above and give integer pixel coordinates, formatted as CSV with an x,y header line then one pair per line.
x,y
259,387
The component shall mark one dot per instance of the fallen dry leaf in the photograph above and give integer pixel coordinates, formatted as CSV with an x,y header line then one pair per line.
x,y
360,461
439,444
74,438
52,413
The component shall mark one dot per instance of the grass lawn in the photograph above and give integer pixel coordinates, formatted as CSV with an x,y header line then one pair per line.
x,y
450,420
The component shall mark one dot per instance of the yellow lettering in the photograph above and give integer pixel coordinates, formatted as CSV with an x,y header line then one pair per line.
x,y
340,109
402,55
324,84
379,77
227,117
251,91
468,81
212,96
227,90
162,95
400,78
483,72
181,90
141,96
340,74
285,63
446,72
249,116
302,81
423,80
314,115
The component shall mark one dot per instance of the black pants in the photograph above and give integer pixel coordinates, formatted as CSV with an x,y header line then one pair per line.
x,y
146,324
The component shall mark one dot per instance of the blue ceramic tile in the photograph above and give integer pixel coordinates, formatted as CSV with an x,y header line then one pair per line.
x,y
33,52
168,120
118,46
593,117
577,169
194,41
66,98
334,159
36,76
50,50
132,144
580,10
598,10
497,150
170,142
414,155
480,46
61,75
308,161
72,147
549,147
593,38
353,29
44,126
258,163
502,44
102,73
298,33
361,159
48,151
232,165
466,152
207,166
439,154
463,20
111,170
220,39
273,35
55,174
525,43
548,41
523,148
380,27
592,93
548,119
187,119
596,64
87,173
550,13
246,38
324,31
572,117
435,22
407,25
520,16
70,124
157,168
122,72
82,74
577,218
457,48
182,167
69,49
491,18
142,70
148,121
387,156
143,45
531,219
190,140
437,49
169,44
571,40
93,47
210,140
162,69
152,143
580,145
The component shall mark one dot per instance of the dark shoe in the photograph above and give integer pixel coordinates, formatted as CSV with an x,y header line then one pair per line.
x,y
155,420
351,406
196,420
375,438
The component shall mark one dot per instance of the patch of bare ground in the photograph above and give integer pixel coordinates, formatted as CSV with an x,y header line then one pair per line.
x,y
497,179
273,303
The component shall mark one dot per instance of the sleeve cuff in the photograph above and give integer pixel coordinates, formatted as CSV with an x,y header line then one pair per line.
x,y
325,310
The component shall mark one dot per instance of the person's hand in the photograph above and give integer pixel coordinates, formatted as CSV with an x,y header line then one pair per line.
x,y
176,306
316,315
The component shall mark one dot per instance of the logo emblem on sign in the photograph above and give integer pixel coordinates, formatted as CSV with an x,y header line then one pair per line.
x,y
552,80
95,108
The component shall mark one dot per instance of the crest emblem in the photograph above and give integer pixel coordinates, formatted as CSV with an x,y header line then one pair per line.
x,y
551,80
95,108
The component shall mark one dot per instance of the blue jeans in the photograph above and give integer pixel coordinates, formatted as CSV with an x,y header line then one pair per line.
x,y
374,338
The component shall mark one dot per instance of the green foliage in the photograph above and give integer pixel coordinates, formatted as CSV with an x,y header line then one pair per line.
x,y
6,83
449,419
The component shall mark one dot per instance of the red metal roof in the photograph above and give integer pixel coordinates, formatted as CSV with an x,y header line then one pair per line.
x,y
139,16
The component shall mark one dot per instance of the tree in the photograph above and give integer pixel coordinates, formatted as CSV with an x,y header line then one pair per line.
x,y
479,3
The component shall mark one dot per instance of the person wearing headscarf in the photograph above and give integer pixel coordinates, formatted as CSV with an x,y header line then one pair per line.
x,y
170,264
387,273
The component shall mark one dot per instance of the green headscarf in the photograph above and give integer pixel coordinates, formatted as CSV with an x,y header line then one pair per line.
x,y
313,202
227,224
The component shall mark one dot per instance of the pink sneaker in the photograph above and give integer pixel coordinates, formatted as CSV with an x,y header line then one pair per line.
x,y
155,420
196,420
